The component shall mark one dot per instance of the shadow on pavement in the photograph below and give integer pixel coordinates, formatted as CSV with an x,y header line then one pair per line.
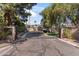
x,y
34,34
4,41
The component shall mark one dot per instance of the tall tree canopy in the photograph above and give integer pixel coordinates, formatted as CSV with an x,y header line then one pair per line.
x,y
56,14
17,10
13,14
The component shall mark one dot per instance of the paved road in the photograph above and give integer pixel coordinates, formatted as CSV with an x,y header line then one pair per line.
x,y
41,45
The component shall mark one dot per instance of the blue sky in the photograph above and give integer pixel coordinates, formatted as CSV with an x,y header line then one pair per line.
x,y
35,13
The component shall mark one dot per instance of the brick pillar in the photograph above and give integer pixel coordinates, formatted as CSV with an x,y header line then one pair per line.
x,y
61,33
13,32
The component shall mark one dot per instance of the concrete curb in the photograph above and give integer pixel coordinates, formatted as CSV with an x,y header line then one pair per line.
x,y
68,42
23,34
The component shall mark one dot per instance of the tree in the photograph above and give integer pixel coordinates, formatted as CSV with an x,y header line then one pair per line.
x,y
56,15
18,10
15,12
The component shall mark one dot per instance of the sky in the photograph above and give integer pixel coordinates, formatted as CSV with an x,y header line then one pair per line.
x,y
35,13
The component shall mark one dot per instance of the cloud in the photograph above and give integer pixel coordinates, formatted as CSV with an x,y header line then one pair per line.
x,y
38,9
33,13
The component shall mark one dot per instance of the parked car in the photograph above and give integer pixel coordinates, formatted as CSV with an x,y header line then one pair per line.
x,y
45,30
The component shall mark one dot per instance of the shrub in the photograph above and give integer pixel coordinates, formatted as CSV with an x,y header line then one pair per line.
x,y
53,34
20,26
3,35
67,33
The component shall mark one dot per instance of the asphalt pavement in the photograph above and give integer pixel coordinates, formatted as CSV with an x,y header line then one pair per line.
x,y
37,44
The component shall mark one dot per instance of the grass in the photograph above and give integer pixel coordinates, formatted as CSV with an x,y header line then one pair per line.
x,y
53,34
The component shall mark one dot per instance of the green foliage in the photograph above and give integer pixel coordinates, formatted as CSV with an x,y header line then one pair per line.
x,y
53,34
67,33
20,26
3,35
16,11
56,14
